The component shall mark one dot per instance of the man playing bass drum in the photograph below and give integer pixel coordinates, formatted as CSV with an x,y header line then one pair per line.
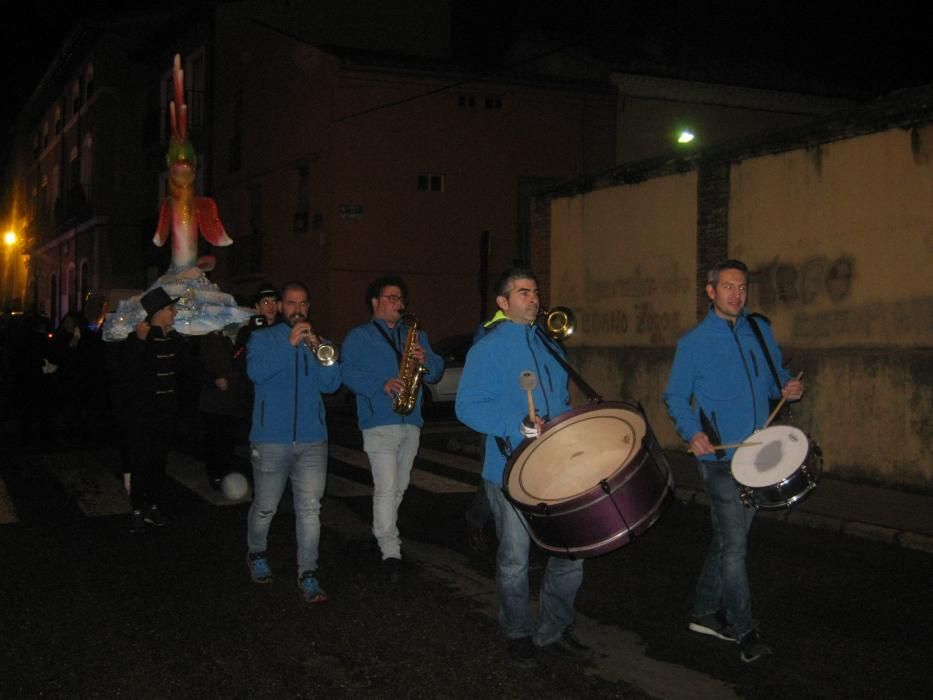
x,y
373,356
492,401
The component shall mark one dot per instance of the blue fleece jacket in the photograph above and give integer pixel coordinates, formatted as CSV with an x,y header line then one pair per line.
x,y
369,362
720,365
490,398
288,384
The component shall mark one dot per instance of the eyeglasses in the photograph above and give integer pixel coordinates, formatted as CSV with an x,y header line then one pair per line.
x,y
393,298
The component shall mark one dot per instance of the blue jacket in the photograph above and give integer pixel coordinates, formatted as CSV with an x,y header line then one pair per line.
x,y
490,399
288,383
369,362
722,367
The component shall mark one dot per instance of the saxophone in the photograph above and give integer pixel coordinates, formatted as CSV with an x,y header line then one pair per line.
x,y
410,371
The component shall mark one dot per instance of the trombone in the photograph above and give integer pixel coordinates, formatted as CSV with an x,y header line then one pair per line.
x,y
558,322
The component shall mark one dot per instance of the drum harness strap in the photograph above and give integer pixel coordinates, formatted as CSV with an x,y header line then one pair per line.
x,y
504,444
764,348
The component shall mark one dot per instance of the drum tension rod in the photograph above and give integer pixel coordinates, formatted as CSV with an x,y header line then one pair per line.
x,y
604,485
545,509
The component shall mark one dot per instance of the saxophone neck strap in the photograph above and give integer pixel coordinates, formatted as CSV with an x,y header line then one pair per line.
x,y
398,353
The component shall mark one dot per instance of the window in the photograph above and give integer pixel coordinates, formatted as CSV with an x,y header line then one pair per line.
x,y
55,190
45,134
430,182
89,82
84,283
76,96
74,169
53,298
59,123
466,101
86,161
494,104
71,290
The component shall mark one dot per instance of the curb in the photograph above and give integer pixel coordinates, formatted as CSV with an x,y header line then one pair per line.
x,y
902,539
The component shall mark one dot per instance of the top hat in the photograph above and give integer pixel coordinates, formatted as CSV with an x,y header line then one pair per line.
x,y
267,290
156,299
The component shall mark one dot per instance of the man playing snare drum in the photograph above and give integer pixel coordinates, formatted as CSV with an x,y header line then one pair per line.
x,y
720,367
492,400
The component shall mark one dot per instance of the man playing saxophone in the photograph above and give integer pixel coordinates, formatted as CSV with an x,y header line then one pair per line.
x,y
383,363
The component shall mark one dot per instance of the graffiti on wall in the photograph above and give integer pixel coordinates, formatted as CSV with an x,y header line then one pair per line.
x,y
634,286
802,284
641,320
629,311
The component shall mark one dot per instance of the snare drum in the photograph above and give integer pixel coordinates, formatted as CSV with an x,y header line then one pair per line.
x,y
780,471
594,480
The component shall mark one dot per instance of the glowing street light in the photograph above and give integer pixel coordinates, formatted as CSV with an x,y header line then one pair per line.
x,y
9,238
686,136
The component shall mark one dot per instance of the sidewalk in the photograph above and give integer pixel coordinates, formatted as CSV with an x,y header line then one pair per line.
x,y
872,512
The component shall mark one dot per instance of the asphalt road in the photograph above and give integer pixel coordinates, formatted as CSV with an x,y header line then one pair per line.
x,y
89,610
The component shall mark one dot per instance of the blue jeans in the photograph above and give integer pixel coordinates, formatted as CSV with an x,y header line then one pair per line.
x,y
724,580
274,463
559,586
391,450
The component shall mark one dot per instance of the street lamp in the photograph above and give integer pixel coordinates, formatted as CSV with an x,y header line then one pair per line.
x,y
9,238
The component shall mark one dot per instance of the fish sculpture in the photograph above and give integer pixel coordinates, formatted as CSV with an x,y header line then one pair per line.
x,y
182,214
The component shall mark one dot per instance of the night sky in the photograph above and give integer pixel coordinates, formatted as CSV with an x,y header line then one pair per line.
x,y
860,48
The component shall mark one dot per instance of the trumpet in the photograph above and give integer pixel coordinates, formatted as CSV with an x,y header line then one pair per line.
x,y
325,353
558,322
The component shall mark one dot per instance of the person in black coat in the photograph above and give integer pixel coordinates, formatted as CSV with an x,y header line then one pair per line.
x,y
155,361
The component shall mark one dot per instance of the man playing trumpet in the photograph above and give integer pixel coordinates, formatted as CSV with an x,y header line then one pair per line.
x,y
288,439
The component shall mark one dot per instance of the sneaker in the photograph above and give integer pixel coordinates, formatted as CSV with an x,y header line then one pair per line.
x,y
259,569
568,645
753,647
137,524
393,569
522,652
310,589
155,518
714,625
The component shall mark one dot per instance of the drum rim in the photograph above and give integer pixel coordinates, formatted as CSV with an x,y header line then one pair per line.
x,y
637,451
736,467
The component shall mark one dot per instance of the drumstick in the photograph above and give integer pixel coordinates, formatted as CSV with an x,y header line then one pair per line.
x,y
528,382
778,407
730,445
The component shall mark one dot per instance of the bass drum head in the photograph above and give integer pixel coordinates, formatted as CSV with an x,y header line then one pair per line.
x,y
574,453
781,452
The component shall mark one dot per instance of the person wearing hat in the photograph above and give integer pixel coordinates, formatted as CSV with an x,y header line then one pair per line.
x,y
266,303
155,359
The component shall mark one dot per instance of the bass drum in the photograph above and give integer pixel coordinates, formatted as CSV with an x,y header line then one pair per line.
x,y
780,470
594,480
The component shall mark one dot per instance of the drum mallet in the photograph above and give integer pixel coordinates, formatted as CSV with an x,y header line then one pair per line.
x,y
529,382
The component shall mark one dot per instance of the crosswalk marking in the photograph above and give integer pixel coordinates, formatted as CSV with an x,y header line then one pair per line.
x,y
419,478
96,489
190,473
97,492
341,487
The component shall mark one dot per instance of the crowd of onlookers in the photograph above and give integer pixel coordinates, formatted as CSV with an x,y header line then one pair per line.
x,y
61,386
53,380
